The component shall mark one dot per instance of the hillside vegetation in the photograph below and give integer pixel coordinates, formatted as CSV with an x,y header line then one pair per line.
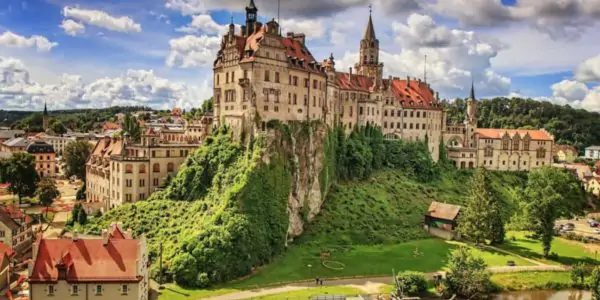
x,y
577,127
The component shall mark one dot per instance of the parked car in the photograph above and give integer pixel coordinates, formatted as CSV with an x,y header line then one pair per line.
x,y
510,263
593,224
597,231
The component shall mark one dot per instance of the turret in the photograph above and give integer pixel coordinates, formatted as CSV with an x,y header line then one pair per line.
x,y
45,118
368,64
251,16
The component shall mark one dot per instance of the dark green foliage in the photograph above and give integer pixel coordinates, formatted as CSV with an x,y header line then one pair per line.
x,y
594,283
412,283
578,274
82,217
81,195
226,212
78,215
3,170
551,194
47,191
467,276
577,127
132,127
481,217
74,158
21,174
57,126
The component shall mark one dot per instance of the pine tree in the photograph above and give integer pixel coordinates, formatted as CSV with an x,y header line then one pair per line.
x,y
481,218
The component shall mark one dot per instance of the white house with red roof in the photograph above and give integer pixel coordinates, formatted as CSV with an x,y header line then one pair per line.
x,y
114,266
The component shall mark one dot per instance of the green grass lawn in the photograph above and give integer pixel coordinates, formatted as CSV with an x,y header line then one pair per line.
x,y
531,280
569,252
307,293
174,292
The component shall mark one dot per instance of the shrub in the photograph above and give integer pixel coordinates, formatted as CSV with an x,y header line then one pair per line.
x,y
412,283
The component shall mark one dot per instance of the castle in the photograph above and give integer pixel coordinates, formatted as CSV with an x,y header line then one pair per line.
x,y
261,75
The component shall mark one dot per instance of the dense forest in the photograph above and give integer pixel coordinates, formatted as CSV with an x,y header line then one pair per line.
x,y
577,127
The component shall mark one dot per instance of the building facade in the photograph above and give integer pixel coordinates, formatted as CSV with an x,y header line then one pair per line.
x,y
592,152
564,153
261,75
111,267
496,149
45,158
118,172
15,229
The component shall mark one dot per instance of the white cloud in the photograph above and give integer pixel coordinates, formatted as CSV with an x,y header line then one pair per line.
x,y
193,51
72,28
102,19
314,29
41,43
589,70
203,23
135,87
160,17
570,90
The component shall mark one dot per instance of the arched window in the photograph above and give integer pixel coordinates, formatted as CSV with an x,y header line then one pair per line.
x,y
170,167
515,143
128,168
142,169
541,153
156,168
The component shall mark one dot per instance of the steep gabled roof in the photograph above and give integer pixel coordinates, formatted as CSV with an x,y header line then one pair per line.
x,y
443,211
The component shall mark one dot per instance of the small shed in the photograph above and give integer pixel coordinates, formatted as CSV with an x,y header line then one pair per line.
x,y
442,217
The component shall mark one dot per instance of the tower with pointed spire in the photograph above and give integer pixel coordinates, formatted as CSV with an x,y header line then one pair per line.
x,y
251,17
45,118
471,117
368,64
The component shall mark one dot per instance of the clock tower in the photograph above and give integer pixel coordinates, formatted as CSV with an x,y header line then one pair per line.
x,y
251,15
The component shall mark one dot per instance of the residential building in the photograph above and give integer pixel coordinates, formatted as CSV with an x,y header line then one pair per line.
x,y
564,153
111,267
18,144
6,256
110,126
592,185
45,158
58,142
120,172
15,229
261,75
592,152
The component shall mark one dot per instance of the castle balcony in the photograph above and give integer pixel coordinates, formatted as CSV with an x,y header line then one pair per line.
x,y
244,82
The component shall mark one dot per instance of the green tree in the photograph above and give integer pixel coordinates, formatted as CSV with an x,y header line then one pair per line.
x,y
207,106
82,217
21,175
481,218
578,274
57,126
46,192
131,126
3,170
594,283
411,283
551,193
467,276
74,158
185,269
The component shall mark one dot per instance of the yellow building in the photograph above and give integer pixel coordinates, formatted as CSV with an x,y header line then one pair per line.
x,y
112,267
45,158
118,172
262,75
15,229
564,153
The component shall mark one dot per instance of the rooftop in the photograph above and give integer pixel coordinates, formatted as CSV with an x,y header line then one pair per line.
x,y
494,133
40,147
17,142
443,211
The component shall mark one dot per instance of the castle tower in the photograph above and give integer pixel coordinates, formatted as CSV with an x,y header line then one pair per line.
x,y
471,118
45,118
251,16
368,64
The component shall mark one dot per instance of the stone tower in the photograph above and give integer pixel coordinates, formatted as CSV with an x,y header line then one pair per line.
x,y
251,17
471,118
368,64
45,118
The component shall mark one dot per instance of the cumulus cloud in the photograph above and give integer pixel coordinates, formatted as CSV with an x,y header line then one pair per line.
x,y
203,23
135,87
40,43
454,58
72,28
589,70
102,19
560,19
193,51
314,29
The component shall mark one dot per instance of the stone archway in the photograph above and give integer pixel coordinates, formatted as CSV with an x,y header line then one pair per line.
x,y
455,141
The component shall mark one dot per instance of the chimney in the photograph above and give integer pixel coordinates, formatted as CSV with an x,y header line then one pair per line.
x,y
104,237
75,237
129,234
419,82
350,70
390,78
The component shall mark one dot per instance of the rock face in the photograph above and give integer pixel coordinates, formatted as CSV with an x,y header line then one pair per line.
x,y
306,193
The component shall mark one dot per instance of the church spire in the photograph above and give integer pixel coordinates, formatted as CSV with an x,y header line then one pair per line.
x,y
45,109
370,31
472,94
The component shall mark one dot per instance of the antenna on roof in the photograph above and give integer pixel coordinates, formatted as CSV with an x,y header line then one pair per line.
x,y
278,15
425,70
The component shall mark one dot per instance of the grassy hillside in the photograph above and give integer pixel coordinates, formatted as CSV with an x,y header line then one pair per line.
x,y
389,206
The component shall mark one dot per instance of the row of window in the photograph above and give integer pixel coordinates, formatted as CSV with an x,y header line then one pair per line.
x,y
539,153
142,168
75,290
417,126
292,80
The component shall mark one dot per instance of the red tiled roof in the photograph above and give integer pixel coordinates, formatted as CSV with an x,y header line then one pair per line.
x,y
494,133
111,126
16,214
87,260
5,249
116,232
443,211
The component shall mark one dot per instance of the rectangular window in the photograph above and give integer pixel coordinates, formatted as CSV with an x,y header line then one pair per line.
x,y
153,153
266,108
233,76
315,84
505,144
405,114
155,182
50,289
245,74
74,290
124,289
314,101
142,182
267,75
168,153
360,111
276,108
306,82
295,99
99,288
227,77
276,77
305,100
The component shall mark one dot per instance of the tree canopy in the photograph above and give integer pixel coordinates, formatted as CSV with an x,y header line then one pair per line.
x,y
47,191
74,158
21,174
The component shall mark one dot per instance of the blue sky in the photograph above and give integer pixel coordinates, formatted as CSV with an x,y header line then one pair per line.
x,y
159,52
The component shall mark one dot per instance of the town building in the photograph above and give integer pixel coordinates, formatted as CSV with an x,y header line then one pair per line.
x,y
114,266
8,134
592,185
45,158
119,171
261,75
564,153
58,142
15,229
441,220
18,144
7,255
592,152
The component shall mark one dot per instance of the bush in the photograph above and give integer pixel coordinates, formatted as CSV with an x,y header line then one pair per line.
x,y
412,283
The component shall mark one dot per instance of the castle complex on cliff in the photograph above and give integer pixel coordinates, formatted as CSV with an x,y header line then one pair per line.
x,y
262,75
